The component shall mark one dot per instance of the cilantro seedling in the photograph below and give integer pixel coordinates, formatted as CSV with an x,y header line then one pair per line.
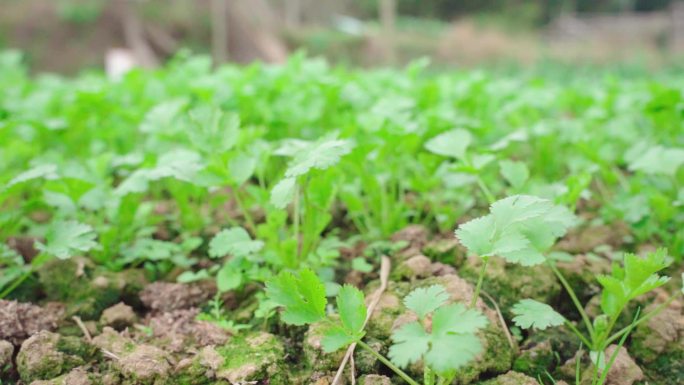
x,y
447,344
243,259
519,229
303,300
216,314
636,277
310,193
64,239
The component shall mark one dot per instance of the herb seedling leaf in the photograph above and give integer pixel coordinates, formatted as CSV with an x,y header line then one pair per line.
x,y
456,318
234,241
515,173
319,155
519,229
411,342
283,192
303,296
425,300
336,338
452,143
530,313
452,351
638,277
64,239
352,308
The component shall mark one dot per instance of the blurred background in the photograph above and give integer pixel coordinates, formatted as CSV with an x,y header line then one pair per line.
x,y
67,36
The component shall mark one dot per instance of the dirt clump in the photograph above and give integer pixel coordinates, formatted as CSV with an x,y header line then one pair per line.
x,y
6,353
119,316
166,296
418,266
24,246
19,321
180,328
415,237
375,379
142,364
47,355
624,370
511,378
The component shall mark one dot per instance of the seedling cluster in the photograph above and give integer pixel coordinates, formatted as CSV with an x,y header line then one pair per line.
x,y
283,187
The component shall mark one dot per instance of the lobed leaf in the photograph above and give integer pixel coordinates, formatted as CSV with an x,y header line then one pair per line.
x,y
452,143
64,239
320,155
234,241
534,314
425,300
519,229
303,297
352,308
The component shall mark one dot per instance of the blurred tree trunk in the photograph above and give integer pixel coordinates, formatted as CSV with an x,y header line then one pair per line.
x,y
388,15
134,34
293,12
219,31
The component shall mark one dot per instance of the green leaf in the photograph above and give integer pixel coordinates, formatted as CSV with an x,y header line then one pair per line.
x,y
411,342
519,229
242,167
319,155
283,193
515,173
228,278
530,313
192,276
638,277
425,300
450,352
45,171
178,164
450,345
360,264
458,319
452,143
303,297
658,160
352,308
212,130
233,241
64,239
336,338
160,117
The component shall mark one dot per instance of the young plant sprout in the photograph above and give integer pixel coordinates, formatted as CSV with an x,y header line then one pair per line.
x,y
519,229
635,278
444,336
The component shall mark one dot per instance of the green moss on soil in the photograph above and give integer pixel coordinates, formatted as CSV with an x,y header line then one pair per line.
x,y
254,357
544,350
509,283
85,289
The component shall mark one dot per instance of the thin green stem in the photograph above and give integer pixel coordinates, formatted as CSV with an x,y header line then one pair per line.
x,y
480,279
296,221
646,317
485,190
578,333
16,284
428,376
245,212
613,356
578,361
575,301
387,363
37,261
